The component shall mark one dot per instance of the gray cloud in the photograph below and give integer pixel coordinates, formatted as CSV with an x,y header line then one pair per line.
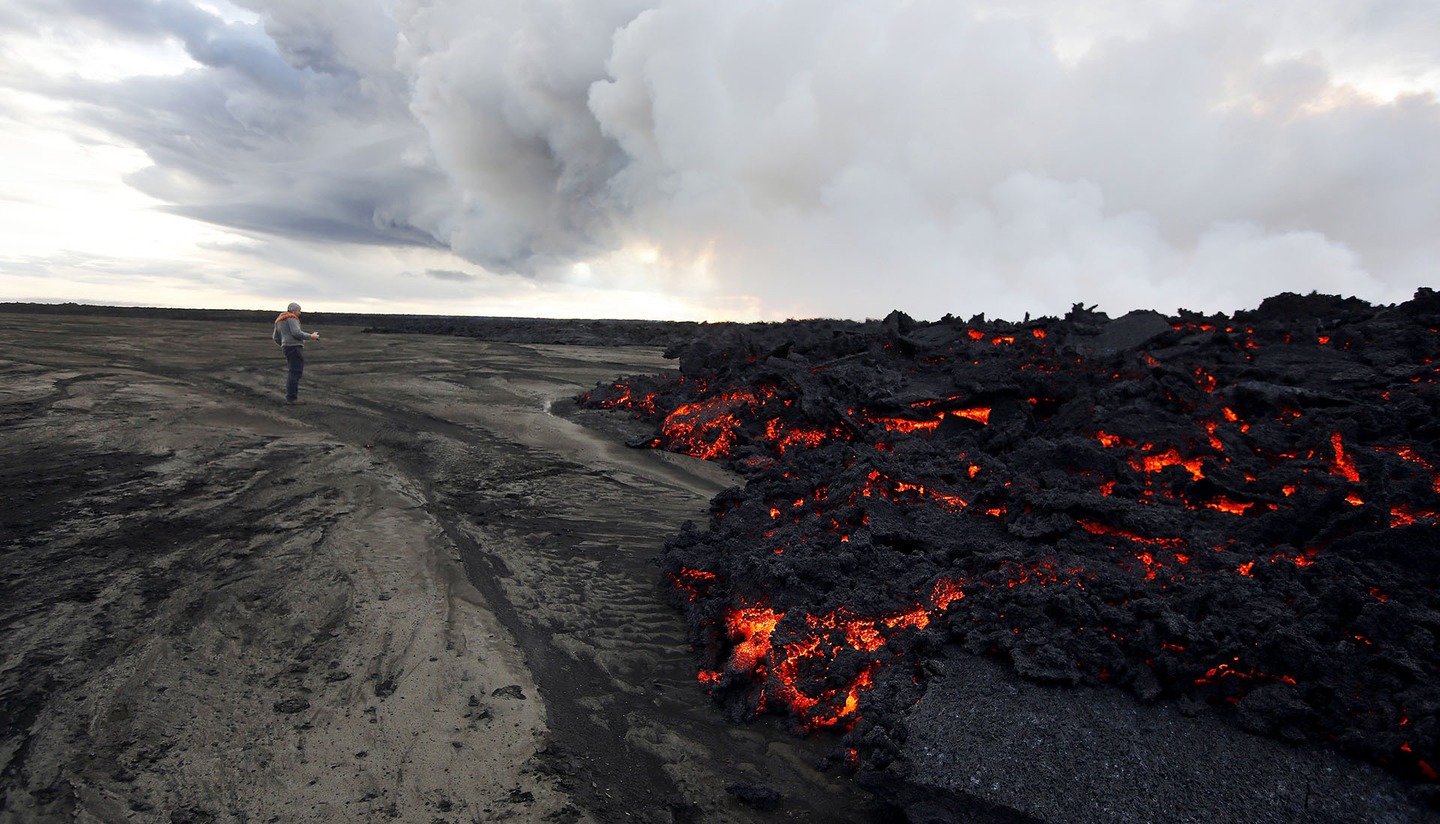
x,y
833,157
206,38
279,133
451,275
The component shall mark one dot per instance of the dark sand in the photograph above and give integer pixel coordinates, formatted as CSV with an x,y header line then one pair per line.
x,y
428,594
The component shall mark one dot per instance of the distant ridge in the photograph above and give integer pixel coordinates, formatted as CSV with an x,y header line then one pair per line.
x,y
582,332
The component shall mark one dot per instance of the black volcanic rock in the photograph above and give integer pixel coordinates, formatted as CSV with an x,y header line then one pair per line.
x,y
1236,514
1128,332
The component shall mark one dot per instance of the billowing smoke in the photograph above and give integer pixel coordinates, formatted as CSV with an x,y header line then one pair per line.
x,y
833,157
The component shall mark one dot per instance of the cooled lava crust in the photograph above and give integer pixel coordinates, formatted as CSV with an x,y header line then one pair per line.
x,y
1238,512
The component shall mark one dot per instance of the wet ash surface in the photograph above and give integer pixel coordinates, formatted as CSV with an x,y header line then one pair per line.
x,y
1213,538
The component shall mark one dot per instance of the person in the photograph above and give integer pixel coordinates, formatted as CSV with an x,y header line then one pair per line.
x,y
292,340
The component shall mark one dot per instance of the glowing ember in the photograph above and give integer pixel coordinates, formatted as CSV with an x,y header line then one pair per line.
x,y
753,626
694,582
1343,464
1226,505
1095,528
1168,458
1408,453
1404,515
1110,441
752,629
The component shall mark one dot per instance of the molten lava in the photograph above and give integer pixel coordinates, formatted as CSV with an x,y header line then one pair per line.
x,y
1185,509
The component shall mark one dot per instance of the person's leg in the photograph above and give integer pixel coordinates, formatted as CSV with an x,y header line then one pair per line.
x,y
296,356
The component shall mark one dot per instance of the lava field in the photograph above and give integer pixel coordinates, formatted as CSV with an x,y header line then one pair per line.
x,y
1235,513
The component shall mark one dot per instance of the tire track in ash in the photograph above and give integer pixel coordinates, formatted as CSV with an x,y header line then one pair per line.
x,y
613,658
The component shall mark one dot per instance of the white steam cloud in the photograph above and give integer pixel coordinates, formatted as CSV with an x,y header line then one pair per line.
x,y
832,157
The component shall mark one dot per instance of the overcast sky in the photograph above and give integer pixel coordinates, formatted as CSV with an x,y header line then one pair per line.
x,y
745,159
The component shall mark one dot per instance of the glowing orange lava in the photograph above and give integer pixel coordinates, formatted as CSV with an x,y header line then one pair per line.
x,y
1343,464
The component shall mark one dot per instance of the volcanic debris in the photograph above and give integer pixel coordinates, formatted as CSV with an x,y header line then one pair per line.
x,y
1237,514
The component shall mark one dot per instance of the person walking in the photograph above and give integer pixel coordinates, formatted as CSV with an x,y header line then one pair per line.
x,y
292,340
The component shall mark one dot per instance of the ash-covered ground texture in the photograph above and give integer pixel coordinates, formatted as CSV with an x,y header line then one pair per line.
x,y
1231,519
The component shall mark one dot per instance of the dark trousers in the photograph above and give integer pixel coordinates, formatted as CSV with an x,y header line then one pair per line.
x,y
296,357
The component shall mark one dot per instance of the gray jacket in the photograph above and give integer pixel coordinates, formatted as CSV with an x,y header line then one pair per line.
x,y
289,333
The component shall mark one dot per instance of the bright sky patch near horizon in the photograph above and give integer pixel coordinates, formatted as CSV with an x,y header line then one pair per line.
x,y
753,160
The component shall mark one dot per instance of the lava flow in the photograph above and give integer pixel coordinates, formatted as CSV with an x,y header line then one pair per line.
x,y
1237,511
